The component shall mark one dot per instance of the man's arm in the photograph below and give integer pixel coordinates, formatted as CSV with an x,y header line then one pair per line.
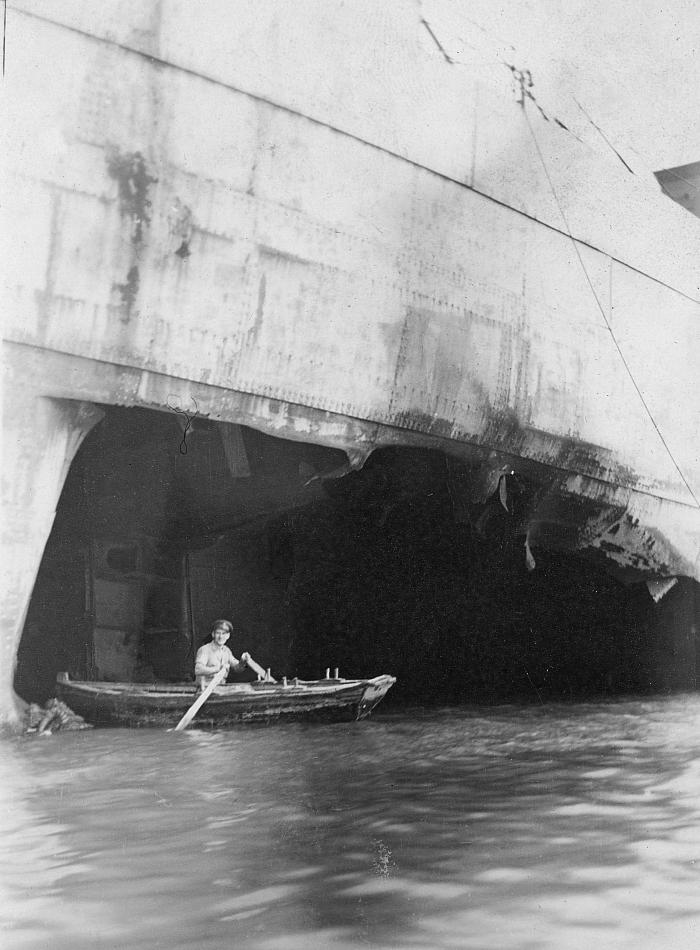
x,y
239,665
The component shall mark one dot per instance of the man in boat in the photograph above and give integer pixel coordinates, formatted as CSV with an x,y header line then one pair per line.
x,y
213,656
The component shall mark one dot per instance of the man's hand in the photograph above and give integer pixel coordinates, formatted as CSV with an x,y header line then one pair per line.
x,y
245,657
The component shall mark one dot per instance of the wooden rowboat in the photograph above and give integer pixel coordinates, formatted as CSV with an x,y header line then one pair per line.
x,y
163,704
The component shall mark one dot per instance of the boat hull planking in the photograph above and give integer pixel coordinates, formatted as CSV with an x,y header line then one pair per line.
x,y
163,705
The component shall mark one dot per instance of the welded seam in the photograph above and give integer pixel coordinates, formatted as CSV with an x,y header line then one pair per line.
x,y
437,42
350,135
607,322
603,136
378,424
4,33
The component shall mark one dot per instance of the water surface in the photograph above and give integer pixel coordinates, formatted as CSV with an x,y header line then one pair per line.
x,y
538,828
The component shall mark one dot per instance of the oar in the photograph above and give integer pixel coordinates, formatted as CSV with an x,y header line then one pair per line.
x,y
256,668
201,700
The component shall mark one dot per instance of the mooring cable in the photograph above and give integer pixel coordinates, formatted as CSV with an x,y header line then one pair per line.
x,y
603,314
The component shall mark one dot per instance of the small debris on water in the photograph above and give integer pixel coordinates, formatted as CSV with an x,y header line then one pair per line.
x,y
384,862
55,715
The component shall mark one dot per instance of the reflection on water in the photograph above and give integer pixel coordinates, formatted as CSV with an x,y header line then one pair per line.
x,y
559,827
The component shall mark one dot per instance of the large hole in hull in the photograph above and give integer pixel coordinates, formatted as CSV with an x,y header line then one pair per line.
x,y
159,532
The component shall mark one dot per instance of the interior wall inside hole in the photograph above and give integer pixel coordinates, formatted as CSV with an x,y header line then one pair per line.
x,y
158,533
373,572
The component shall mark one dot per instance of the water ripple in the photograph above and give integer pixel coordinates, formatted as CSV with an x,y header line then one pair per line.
x,y
564,826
